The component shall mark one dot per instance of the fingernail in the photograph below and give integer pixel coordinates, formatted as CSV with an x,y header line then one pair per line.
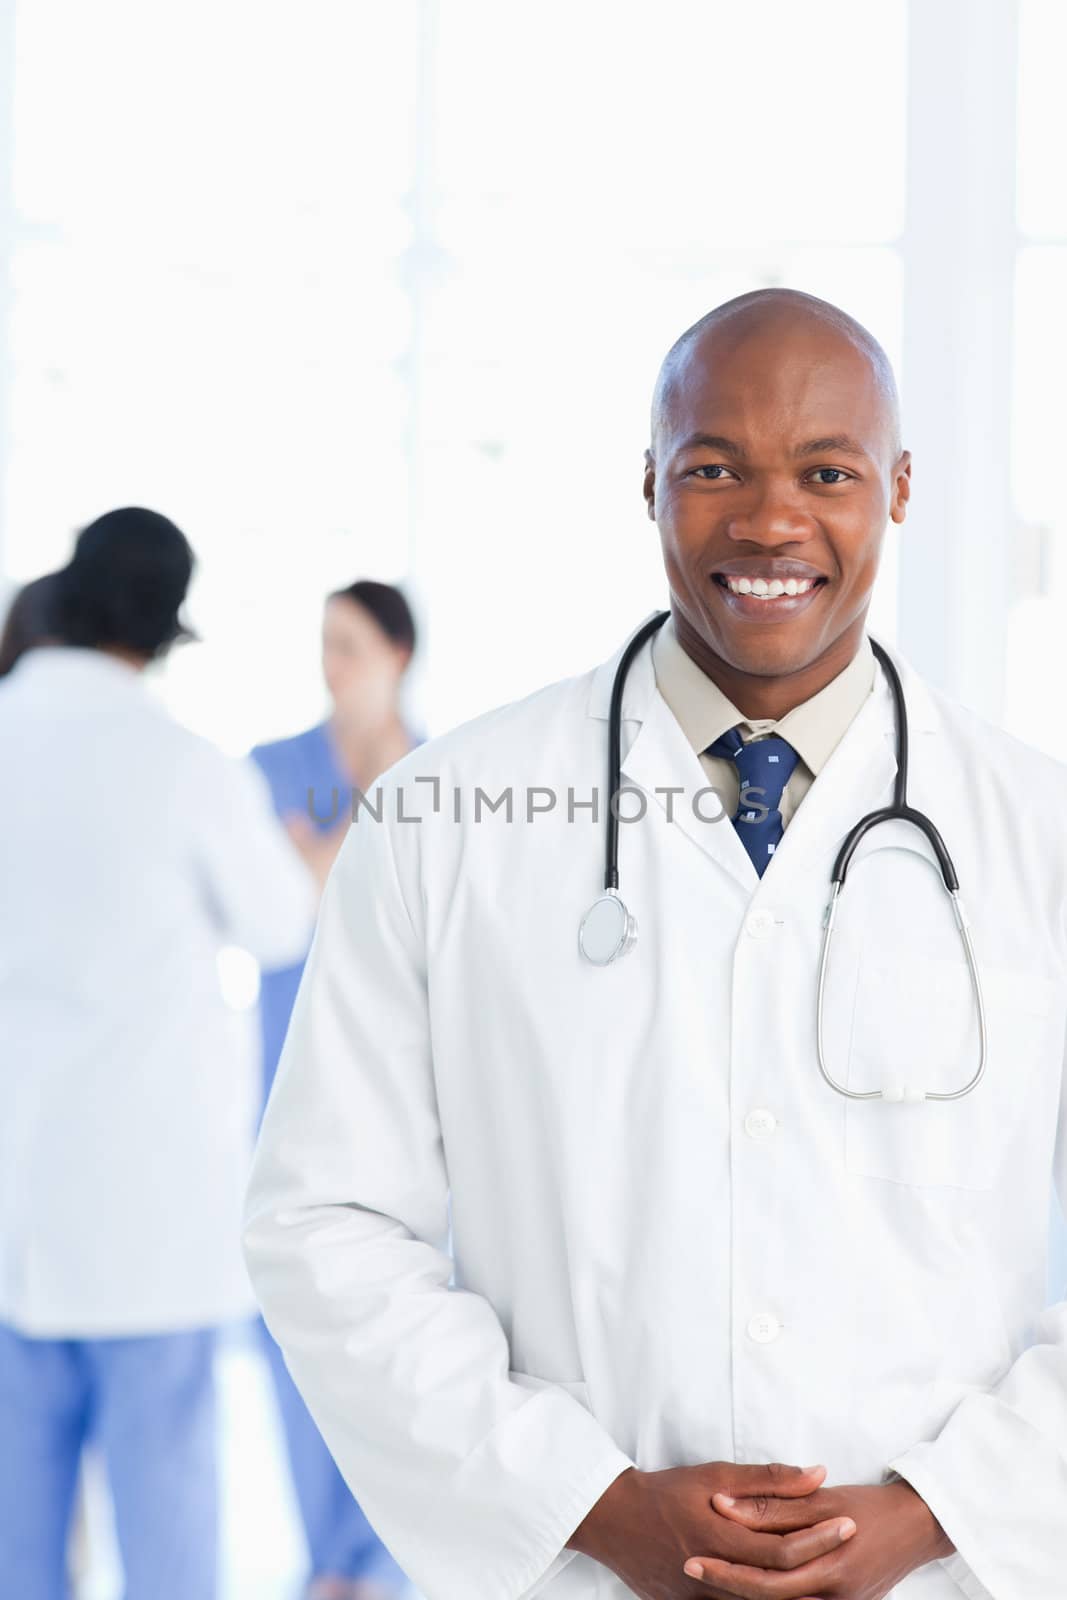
x,y
818,1468
693,1569
847,1528
726,1499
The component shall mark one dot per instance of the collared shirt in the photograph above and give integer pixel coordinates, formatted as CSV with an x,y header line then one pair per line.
x,y
813,728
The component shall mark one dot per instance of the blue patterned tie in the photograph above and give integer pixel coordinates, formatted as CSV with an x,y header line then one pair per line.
x,y
765,765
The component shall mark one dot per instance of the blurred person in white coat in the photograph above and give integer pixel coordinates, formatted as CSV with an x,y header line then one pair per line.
x,y
131,851
685,1261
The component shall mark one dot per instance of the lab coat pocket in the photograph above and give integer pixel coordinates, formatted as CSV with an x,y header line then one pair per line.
x,y
915,1023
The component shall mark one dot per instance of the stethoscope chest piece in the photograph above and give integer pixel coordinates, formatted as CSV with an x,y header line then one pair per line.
x,y
607,930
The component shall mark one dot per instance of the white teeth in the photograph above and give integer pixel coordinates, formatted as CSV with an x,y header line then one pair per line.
x,y
769,589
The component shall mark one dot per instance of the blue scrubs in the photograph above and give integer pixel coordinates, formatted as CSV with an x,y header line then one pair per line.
x,y
149,1403
306,777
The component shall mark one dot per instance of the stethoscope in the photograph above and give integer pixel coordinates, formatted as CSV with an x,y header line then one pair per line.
x,y
609,929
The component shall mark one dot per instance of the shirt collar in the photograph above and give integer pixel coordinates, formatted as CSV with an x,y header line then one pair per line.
x,y
704,713
76,665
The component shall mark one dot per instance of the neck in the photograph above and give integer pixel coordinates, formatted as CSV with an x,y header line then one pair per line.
x,y
367,751
129,658
758,696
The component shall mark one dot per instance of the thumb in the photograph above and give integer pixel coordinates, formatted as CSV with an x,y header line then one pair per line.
x,y
773,1478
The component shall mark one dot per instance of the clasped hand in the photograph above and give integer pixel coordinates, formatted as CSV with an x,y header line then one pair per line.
x,y
768,1532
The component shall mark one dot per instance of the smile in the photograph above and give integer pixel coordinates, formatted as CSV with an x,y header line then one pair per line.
x,y
767,595
768,588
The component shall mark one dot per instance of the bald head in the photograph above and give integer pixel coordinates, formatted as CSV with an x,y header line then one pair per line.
x,y
783,319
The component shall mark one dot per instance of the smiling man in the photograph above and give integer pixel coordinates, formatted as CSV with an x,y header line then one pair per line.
x,y
760,369
568,1258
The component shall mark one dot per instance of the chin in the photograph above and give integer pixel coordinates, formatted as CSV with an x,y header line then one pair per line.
x,y
768,657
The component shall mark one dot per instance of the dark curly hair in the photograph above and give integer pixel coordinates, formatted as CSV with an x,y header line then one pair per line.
x,y
125,584
29,621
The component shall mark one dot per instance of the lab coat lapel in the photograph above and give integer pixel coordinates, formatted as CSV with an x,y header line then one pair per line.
x,y
658,759
661,757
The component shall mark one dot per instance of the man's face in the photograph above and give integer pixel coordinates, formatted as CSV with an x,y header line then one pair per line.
x,y
773,477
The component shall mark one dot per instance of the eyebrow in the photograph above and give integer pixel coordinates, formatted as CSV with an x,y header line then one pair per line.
x,y
714,441
834,443
839,443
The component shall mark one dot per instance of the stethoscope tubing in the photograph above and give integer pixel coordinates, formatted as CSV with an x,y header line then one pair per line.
x,y
611,852
898,811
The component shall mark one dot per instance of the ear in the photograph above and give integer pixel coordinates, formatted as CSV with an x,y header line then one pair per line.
x,y
650,485
898,505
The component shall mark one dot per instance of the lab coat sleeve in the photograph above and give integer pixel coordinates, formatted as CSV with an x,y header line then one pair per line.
x,y
261,893
474,1478
996,1475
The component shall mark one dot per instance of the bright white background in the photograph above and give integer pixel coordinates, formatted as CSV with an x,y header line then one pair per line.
x,y
383,289
355,289
358,288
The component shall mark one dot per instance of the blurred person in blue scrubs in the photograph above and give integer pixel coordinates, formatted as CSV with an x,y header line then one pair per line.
x,y
131,851
368,639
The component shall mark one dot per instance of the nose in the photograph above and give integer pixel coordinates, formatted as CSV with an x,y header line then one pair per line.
x,y
769,516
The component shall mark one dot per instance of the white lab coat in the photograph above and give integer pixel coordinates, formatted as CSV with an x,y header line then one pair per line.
x,y
673,1242
130,851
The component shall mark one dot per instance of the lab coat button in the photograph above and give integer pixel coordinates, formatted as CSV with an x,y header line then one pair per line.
x,y
759,924
760,1123
763,1327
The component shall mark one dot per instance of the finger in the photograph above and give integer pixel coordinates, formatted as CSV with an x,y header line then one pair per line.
x,y
754,1583
774,1478
772,1552
810,1543
709,1593
769,1513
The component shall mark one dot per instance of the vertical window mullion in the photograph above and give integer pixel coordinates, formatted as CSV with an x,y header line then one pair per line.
x,y
959,251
